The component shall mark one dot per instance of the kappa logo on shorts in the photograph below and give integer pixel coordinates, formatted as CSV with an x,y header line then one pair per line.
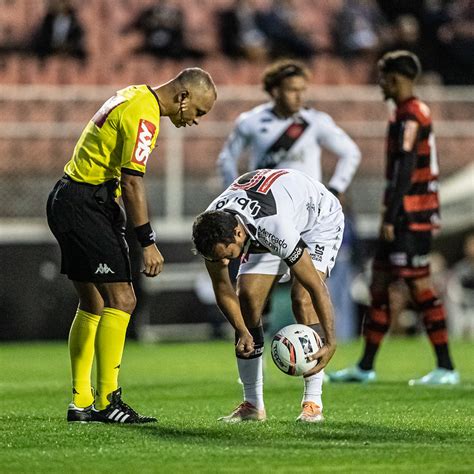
x,y
103,268
142,150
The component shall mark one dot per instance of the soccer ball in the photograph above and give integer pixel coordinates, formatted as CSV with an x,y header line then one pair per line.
x,y
292,345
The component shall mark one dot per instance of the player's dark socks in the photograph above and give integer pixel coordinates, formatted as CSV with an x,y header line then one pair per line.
x,y
367,361
442,356
258,340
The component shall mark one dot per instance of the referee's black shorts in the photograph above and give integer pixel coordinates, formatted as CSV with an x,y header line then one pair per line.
x,y
89,225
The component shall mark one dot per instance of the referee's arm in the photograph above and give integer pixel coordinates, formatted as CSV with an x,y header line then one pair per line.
x,y
134,199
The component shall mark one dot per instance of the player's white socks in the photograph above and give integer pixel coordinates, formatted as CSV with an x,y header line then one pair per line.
x,y
251,375
313,388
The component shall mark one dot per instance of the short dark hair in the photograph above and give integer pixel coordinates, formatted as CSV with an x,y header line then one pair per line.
x,y
276,72
196,77
401,62
211,228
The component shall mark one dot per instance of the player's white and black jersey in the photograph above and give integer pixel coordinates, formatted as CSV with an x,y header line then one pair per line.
x,y
294,142
283,211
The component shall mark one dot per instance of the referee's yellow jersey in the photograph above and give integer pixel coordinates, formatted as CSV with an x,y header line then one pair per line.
x,y
120,136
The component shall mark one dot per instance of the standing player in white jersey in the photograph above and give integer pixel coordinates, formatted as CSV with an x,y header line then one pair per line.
x,y
284,134
274,220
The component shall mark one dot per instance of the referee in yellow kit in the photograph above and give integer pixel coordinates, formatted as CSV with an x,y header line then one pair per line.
x,y
85,216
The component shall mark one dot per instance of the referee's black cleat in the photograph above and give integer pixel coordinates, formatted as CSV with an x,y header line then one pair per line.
x,y
119,412
81,415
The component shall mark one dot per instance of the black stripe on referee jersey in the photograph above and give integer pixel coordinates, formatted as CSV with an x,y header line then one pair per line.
x,y
132,172
284,142
154,95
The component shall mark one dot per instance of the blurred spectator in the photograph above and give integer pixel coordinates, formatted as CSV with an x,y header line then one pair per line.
x,y
163,29
60,32
239,33
460,292
406,34
393,9
456,38
286,38
359,29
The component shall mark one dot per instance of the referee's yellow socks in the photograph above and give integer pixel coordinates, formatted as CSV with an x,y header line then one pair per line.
x,y
109,344
81,351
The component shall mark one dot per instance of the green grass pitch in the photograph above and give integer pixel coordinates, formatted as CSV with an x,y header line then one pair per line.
x,y
385,427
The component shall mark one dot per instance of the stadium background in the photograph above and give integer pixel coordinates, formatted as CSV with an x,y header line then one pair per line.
x,y
45,104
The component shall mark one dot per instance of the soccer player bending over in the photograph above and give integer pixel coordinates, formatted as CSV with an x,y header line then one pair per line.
x,y
411,213
84,215
262,214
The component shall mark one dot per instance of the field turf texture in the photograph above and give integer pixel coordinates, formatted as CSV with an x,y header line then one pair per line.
x,y
384,427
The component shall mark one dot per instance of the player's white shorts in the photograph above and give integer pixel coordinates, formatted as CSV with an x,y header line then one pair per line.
x,y
323,245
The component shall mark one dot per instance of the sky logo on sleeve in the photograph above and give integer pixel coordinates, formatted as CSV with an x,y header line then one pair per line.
x,y
142,150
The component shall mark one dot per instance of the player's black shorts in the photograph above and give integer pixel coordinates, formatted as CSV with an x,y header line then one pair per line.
x,y
407,256
90,227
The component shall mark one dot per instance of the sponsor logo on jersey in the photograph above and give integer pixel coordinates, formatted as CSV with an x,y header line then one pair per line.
x,y
317,253
142,150
252,206
103,268
271,241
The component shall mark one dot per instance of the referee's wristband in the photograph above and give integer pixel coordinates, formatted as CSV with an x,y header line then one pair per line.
x,y
145,235
334,191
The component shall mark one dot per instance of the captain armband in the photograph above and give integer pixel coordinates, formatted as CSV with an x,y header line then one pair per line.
x,y
145,234
297,253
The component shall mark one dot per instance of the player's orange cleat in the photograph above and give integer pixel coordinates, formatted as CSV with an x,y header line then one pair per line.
x,y
311,413
245,412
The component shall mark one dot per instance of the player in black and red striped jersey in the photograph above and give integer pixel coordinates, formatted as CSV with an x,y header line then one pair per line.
x,y
410,214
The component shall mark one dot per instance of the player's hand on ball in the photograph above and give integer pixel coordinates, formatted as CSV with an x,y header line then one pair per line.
x,y
324,355
153,261
245,345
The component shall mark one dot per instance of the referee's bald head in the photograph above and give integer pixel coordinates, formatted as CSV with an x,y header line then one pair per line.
x,y
198,80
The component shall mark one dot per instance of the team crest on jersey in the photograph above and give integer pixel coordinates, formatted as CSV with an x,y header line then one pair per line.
x,y
142,150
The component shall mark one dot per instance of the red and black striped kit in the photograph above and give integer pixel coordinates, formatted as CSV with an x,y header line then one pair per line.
x,y
420,209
